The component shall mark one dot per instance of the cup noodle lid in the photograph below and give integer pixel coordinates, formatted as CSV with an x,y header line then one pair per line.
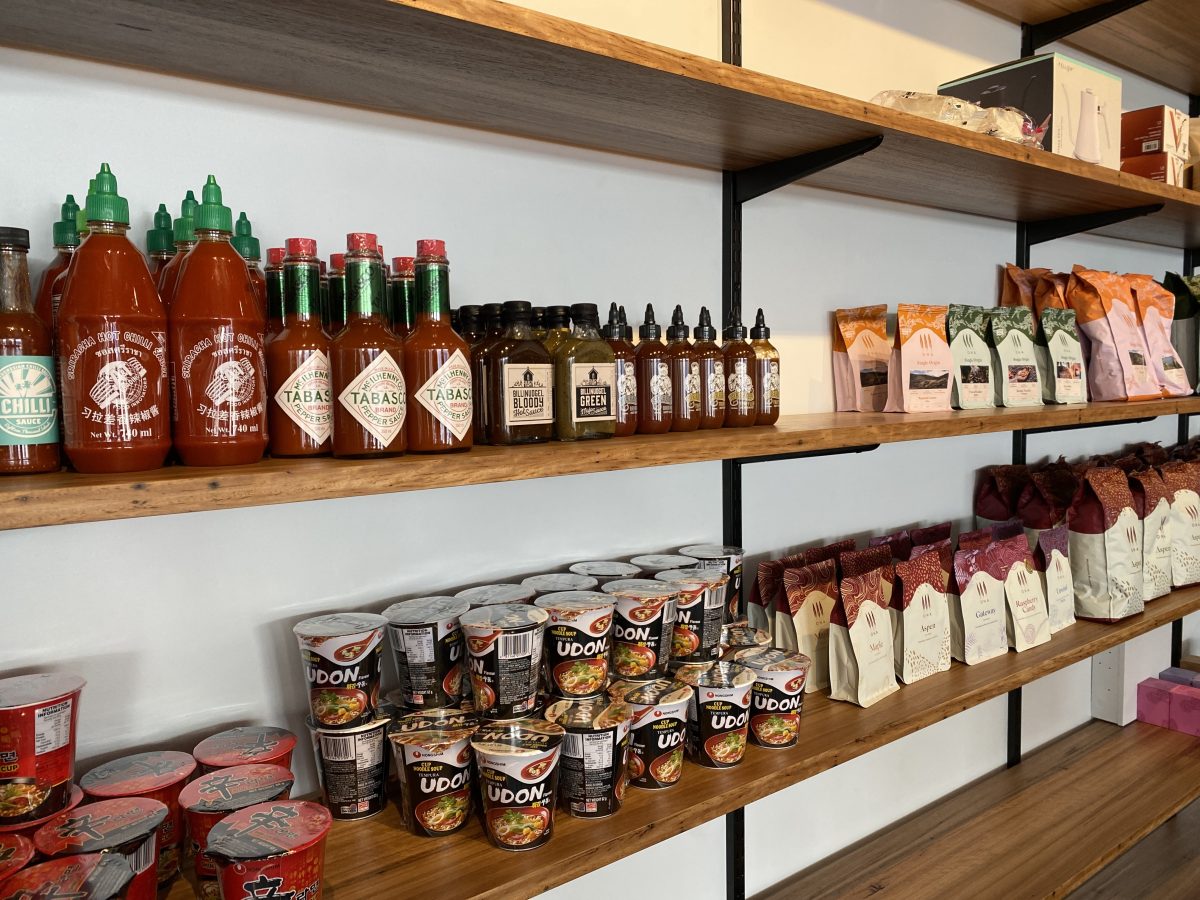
x,y
28,828
94,876
104,825
26,690
242,746
663,692
716,675
15,853
574,601
657,562
518,737
426,610
236,787
338,625
269,829
487,594
742,635
140,773
711,551
593,714
709,577
504,616
433,728
560,581
641,589
767,659
603,568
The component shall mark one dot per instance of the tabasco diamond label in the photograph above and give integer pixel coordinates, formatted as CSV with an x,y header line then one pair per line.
x,y
307,397
376,398
447,394
593,392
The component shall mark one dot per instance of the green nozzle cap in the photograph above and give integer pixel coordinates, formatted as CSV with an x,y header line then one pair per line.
x,y
64,231
106,205
160,238
212,214
184,229
244,241
162,218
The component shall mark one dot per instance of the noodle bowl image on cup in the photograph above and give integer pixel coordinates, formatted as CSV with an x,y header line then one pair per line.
x,y
352,767
433,753
27,829
518,774
725,559
699,613
778,695
642,627
605,571
342,655
578,642
427,644
245,746
659,729
592,769
504,646
37,745
719,712
272,850
92,876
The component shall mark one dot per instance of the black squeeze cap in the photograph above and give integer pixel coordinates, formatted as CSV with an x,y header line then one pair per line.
x,y
14,237
760,331
649,330
705,331
678,330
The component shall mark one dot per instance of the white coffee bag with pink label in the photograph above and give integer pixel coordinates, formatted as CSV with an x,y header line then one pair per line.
x,y
861,662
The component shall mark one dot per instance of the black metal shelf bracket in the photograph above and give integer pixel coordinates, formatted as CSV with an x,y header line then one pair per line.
x,y
1034,37
758,180
1049,429
1065,226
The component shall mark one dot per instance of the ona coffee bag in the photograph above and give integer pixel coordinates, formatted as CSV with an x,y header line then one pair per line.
x,y
1004,530
860,359
1051,559
930,534
899,543
1181,479
814,555
1014,359
975,540
1105,547
1017,285
1027,620
977,629
1045,498
760,605
1156,311
971,357
859,562
997,490
1153,506
1063,372
920,618
1117,365
1050,293
812,594
919,369
861,663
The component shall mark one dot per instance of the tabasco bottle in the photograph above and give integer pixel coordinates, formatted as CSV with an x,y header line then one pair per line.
x,y
653,378
520,380
740,408
367,361
112,347
273,280
66,239
218,365
184,233
625,358
337,311
160,241
299,380
402,287
712,372
249,249
766,359
685,376
28,397
437,367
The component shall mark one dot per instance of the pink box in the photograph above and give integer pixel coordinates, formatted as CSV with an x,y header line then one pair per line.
x,y
1154,701
1185,710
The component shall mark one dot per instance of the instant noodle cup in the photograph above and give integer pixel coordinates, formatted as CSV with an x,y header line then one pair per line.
x,y
342,655
723,558
26,829
778,695
560,581
660,562
127,828
592,768
428,647
642,627
157,775
719,712
578,642
491,594
210,798
504,647
16,852
92,876
272,849
352,767
740,635
699,613
245,746
658,730
37,745
518,776
433,754
605,571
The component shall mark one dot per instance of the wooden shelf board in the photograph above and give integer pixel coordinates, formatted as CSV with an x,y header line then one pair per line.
x,y
497,67
377,858
1156,39
68,497
1037,830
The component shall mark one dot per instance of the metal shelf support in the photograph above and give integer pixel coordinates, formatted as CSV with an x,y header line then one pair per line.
x,y
759,180
1034,37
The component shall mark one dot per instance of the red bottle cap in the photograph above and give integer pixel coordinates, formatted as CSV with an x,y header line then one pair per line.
x,y
337,261
297,247
275,256
403,265
430,247
362,240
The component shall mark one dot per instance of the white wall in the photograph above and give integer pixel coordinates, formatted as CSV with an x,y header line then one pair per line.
x,y
182,623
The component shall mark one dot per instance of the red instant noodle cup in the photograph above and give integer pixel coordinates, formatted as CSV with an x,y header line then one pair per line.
x,y
94,876
27,829
272,850
250,745
37,745
16,852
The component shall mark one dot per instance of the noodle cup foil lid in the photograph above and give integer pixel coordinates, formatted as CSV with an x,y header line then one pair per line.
x,y
663,692
487,594
434,728
94,876
657,562
641,589
518,737
15,853
140,773
245,745
766,659
338,625
603,568
711,551
595,714
26,690
426,610
560,581
504,616
104,825
744,636
269,829
567,602
716,675
710,577
228,789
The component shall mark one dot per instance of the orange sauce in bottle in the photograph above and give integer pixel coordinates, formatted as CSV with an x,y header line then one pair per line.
x,y
653,378
624,354
712,372
766,370
740,377
685,376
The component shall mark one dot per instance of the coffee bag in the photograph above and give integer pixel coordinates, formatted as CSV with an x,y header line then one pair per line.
x,y
971,357
812,593
860,359
1153,506
1156,311
1105,547
760,611
1017,285
919,369
1044,499
1117,365
814,555
977,630
1026,620
1014,360
930,534
1181,479
899,543
1051,559
920,618
859,562
997,490
861,662
1063,371
1050,293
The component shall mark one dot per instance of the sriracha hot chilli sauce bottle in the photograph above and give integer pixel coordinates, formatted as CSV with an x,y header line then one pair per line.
x,y
249,249
160,241
66,239
112,347
184,233
218,367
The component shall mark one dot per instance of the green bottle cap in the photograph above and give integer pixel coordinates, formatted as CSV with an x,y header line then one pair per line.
x,y
184,230
64,231
106,205
212,214
81,222
160,238
244,241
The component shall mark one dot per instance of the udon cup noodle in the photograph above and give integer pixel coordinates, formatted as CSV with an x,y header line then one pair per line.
x,y
740,636
272,849
517,764
643,626
699,613
92,876
719,713
210,798
26,829
593,767
37,745
352,767
16,852
659,729
433,754
778,696
127,827
158,775
504,647
660,562
342,656
560,581
492,594
245,746
578,642
725,559
427,644
604,570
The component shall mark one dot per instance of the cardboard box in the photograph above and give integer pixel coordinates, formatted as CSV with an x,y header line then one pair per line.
x,y
1155,129
1082,103
1164,167
1184,714
1154,701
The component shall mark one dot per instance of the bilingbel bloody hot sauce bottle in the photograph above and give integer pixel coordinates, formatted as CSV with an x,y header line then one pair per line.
x,y
437,364
766,359
740,408
367,362
218,363
402,286
299,381
520,377
248,248
184,233
653,378
160,241
66,239
112,347
712,372
685,376
273,280
625,358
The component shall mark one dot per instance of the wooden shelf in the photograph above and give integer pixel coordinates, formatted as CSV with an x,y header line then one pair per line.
x,y
1037,830
68,497
377,858
1156,39
492,66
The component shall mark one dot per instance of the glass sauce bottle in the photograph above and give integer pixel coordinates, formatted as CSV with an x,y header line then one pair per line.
x,y
403,290
624,356
712,372
60,284
493,331
28,396
112,348
766,359
585,380
160,241
740,371
520,377
337,311
300,385
218,364
66,239
685,376
537,323
467,324
558,327
184,232
653,378
437,364
248,248
273,281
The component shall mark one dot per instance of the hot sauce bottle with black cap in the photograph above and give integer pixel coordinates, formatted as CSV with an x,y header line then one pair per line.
x,y
558,327
402,287
467,324
493,331
537,323
712,372
625,356
520,381
437,363
336,310
767,372
685,376
653,378
585,380
273,279
740,370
